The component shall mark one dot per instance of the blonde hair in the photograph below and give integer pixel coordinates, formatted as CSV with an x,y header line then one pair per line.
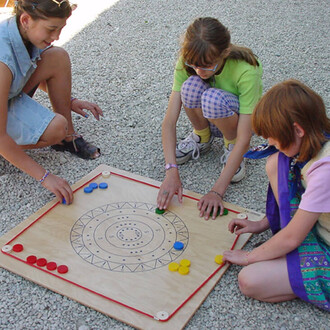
x,y
287,103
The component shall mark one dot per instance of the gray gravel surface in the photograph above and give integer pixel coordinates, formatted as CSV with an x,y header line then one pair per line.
x,y
124,61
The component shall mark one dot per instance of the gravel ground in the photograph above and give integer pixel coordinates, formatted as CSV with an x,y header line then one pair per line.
x,y
124,61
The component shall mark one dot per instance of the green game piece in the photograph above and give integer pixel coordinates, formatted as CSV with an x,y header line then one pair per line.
x,y
225,212
212,212
158,211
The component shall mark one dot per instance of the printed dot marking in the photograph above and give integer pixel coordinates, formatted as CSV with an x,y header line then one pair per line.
x,y
62,269
51,265
18,248
178,245
103,185
173,266
7,248
185,262
31,260
183,270
218,259
41,262
88,190
93,185
158,211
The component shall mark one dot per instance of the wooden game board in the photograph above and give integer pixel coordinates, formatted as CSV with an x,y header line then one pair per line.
x,y
118,249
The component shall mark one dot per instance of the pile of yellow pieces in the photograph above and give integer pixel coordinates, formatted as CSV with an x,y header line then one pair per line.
x,y
182,268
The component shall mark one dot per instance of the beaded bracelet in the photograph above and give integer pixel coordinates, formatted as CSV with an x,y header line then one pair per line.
x,y
215,192
44,177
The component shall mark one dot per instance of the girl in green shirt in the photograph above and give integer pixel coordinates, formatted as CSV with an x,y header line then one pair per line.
x,y
218,84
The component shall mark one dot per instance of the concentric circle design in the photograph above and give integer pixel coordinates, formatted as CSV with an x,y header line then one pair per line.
x,y
128,237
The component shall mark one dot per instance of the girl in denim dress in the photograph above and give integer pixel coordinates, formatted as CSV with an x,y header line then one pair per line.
x,y
27,62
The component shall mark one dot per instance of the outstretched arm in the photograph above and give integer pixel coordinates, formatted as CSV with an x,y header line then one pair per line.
x,y
283,242
172,183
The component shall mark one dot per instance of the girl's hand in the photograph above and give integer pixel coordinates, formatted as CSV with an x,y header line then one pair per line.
x,y
170,186
238,257
78,107
59,187
212,201
241,226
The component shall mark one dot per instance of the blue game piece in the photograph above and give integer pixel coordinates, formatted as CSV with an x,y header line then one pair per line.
x,y
88,190
63,201
93,185
103,185
178,245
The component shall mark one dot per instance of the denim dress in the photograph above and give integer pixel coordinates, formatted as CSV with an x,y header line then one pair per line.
x,y
27,119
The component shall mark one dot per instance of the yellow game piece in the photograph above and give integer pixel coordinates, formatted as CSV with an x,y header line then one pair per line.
x,y
183,270
173,266
185,262
218,259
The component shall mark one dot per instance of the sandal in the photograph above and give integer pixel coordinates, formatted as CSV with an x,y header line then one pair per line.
x,y
79,147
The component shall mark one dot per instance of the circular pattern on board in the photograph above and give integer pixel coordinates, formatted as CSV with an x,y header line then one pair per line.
x,y
128,237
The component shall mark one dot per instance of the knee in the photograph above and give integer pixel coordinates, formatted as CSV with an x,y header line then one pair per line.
x,y
56,55
191,92
215,104
57,129
247,283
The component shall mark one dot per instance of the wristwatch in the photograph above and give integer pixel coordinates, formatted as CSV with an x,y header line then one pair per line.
x,y
168,166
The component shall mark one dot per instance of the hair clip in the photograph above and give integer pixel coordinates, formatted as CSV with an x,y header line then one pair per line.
x,y
59,3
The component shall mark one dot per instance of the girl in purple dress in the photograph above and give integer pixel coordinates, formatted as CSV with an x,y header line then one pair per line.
x,y
295,261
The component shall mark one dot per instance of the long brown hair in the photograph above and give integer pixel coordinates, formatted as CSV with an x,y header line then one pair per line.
x,y
287,103
43,9
206,41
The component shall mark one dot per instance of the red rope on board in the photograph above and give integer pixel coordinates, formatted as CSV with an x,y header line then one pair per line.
x,y
100,294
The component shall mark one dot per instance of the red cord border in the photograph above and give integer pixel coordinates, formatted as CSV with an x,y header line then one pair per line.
x,y
100,294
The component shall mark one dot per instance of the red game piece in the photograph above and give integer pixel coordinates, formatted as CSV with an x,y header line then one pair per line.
x,y
18,248
31,259
41,262
51,265
62,269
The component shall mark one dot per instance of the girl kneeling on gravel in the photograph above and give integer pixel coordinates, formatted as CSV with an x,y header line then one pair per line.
x,y
295,261
28,61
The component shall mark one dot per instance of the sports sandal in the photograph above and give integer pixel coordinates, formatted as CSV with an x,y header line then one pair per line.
x,y
79,147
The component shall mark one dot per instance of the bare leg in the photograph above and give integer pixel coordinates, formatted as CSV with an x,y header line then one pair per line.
x,y
197,119
227,126
54,71
266,281
53,74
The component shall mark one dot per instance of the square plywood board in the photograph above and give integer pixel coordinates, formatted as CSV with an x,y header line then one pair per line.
x,y
117,250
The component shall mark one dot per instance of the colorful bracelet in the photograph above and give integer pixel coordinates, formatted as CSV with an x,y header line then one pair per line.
x,y
44,177
215,192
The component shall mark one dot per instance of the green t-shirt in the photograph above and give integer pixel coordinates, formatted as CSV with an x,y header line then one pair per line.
x,y
237,77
